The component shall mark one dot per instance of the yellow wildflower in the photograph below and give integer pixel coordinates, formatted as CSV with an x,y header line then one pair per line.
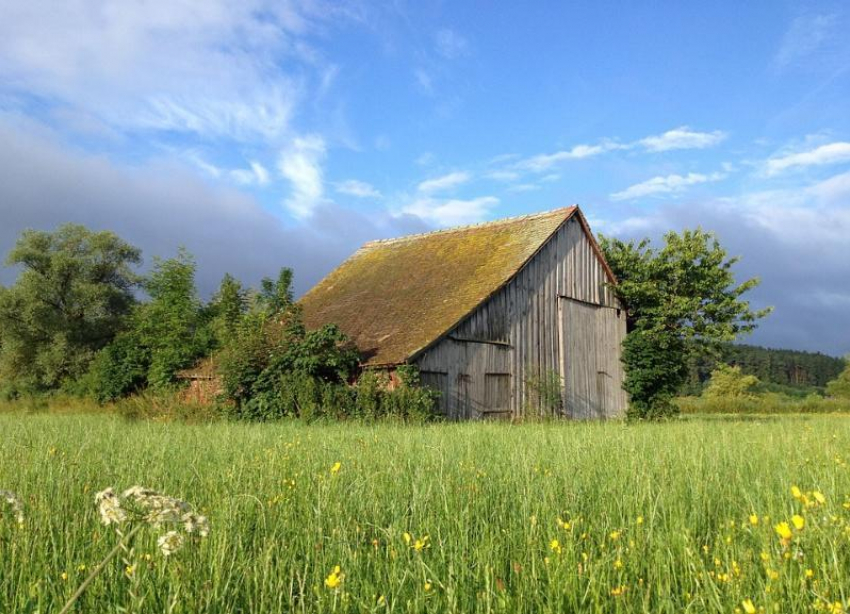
x,y
382,600
810,573
64,575
336,467
407,537
796,493
618,590
819,497
784,531
427,586
555,546
614,535
799,522
618,564
640,519
335,578
420,544
754,519
748,606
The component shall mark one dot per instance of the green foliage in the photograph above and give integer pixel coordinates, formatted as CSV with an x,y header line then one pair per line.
x,y
544,392
729,382
839,388
680,298
654,372
70,299
168,333
226,309
787,371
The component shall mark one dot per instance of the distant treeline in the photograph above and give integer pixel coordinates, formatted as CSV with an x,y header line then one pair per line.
x,y
805,371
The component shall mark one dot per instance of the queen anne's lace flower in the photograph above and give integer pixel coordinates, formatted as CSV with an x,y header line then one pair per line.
x,y
14,502
143,505
170,543
109,507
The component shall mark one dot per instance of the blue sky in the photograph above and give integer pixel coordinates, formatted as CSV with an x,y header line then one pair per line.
x,y
264,134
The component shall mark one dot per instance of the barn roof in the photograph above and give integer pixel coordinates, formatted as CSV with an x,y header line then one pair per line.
x,y
395,297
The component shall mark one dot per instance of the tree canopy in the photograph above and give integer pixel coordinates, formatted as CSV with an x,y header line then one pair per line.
x,y
70,299
680,299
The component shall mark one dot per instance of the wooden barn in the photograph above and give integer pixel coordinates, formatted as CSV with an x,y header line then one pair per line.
x,y
487,312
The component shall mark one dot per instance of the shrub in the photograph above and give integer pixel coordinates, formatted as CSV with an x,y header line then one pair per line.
x,y
729,382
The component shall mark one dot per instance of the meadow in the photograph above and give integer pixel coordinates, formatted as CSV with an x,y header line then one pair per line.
x,y
695,515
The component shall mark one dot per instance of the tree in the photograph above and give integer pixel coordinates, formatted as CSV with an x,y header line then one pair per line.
x,y
680,299
70,299
729,381
170,325
168,333
840,386
226,309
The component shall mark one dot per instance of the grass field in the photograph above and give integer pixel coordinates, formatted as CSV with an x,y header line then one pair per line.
x,y
676,517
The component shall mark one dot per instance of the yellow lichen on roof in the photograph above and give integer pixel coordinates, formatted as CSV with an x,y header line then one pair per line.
x,y
395,297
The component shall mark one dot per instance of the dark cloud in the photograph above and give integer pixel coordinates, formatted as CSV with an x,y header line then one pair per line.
x,y
796,246
163,206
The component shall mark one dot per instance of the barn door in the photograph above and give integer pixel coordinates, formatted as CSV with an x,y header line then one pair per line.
x,y
589,340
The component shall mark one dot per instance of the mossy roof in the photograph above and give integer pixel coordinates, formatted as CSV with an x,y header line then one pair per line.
x,y
396,297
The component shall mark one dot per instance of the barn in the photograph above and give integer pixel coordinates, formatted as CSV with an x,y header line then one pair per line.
x,y
490,313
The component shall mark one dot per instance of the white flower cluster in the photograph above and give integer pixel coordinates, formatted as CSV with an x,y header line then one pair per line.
x,y
141,504
15,503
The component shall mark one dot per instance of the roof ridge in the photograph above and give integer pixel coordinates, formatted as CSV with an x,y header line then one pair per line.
x,y
504,220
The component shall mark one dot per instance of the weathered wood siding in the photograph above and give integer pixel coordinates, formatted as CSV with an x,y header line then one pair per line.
x,y
517,334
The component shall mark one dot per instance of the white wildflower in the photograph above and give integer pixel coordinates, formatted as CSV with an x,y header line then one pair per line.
x,y
170,543
109,507
14,502
195,523
158,509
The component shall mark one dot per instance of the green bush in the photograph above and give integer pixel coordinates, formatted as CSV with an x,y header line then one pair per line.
x,y
728,382
654,373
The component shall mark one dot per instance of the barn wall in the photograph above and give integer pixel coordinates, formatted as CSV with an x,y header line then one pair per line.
x,y
515,333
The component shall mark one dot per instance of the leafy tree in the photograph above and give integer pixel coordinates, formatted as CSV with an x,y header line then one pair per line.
x,y
226,309
840,386
681,298
167,333
70,299
728,381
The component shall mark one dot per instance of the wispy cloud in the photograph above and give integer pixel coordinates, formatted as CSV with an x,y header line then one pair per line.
x,y
453,212
682,138
301,164
807,36
543,162
665,185
200,66
255,175
445,182
359,189
832,153
450,44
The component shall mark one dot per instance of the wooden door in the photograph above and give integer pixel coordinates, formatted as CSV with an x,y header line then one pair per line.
x,y
578,359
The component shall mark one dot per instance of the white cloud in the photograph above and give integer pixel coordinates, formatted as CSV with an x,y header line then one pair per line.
x,y
301,164
450,44
543,162
807,35
445,182
503,175
360,189
255,175
524,187
832,153
454,212
665,185
194,66
682,138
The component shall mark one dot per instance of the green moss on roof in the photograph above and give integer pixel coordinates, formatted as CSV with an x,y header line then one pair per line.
x,y
396,297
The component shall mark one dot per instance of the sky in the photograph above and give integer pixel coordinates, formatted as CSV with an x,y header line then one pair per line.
x,y
268,133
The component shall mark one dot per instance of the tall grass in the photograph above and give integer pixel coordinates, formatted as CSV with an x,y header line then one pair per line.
x,y
653,518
